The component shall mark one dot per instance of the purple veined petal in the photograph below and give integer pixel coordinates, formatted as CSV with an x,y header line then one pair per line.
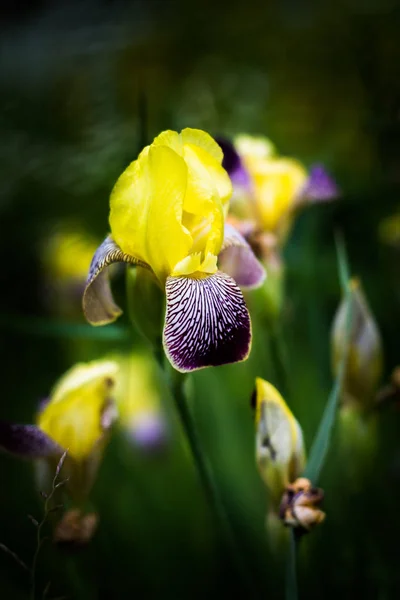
x,y
98,304
238,260
233,164
27,441
206,323
320,186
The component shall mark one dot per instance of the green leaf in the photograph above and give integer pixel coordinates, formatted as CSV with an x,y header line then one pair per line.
x,y
320,446
50,328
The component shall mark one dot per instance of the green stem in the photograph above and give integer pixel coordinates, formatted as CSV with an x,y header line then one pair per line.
x,y
291,568
205,474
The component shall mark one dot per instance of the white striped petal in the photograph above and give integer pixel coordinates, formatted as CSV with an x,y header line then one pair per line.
x,y
207,322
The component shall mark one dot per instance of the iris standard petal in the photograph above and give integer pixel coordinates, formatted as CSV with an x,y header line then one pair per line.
x,y
238,260
203,140
27,441
98,304
147,207
207,322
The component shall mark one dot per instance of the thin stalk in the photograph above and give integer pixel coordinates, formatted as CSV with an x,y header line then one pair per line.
x,y
322,440
291,568
205,474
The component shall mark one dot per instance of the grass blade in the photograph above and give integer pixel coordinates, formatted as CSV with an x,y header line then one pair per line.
x,y
320,446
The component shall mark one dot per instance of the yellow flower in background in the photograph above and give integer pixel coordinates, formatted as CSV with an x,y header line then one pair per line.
x,y
280,453
167,215
67,254
137,395
73,417
276,183
76,418
269,189
364,359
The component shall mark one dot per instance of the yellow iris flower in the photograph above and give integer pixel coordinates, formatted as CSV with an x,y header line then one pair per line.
x,y
167,215
167,208
277,183
76,419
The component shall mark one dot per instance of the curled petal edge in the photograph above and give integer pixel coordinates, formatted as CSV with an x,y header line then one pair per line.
x,y
98,303
238,260
207,323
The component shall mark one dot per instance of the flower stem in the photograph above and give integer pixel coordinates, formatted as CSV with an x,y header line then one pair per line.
x,y
291,568
203,467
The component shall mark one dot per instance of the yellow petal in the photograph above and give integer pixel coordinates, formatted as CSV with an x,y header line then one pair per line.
x,y
254,146
197,137
73,416
170,204
277,183
171,139
280,450
147,207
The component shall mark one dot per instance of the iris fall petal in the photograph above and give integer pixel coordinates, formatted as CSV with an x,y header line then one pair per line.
x,y
27,441
98,303
207,322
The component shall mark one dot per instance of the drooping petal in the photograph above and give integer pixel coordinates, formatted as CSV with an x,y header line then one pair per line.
x,y
207,322
98,304
238,260
27,441
319,187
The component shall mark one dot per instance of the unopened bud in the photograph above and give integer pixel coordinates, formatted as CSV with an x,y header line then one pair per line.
x,y
361,348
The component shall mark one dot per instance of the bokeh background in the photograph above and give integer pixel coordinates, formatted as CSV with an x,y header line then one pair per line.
x,y
83,86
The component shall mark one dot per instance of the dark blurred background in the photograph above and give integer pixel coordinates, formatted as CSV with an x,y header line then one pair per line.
x,y
83,86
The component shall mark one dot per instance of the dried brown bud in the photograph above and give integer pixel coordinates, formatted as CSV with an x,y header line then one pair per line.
x,y
75,529
300,505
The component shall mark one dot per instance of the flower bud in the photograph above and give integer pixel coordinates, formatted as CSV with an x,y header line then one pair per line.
x,y
280,451
361,348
